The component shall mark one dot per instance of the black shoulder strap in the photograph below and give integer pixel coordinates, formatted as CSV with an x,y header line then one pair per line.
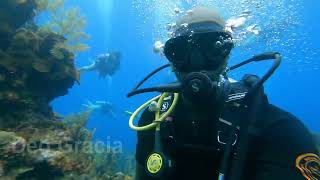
x,y
260,108
251,107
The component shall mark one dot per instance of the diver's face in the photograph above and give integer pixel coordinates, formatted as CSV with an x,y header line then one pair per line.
x,y
204,52
213,73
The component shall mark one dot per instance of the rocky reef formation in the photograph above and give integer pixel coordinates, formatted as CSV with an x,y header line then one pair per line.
x,y
317,140
30,76
10,20
34,142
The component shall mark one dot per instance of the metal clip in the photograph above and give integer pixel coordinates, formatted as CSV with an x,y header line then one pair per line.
x,y
153,106
224,143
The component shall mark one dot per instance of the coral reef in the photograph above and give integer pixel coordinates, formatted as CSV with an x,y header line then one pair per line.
x,y
57,150
10,21
30,76
105,162
34,142
76,123
41,151
31,136
317,140
128,164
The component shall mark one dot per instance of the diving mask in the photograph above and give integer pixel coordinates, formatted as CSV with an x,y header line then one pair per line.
x,y
198,46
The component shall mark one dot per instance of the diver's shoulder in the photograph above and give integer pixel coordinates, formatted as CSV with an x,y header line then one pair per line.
x,y
281,117
288,129
279,113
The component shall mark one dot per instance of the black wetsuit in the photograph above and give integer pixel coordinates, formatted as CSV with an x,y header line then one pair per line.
x,y
193,145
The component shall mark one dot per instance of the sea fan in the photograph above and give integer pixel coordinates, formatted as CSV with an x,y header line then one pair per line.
x,y
68,23
53,5
59,49
78,47
48,5
41,5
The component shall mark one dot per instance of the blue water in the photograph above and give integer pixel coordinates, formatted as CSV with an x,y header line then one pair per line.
x,y
112,25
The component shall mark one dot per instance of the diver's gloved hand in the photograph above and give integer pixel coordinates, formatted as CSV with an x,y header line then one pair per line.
x,y
249,81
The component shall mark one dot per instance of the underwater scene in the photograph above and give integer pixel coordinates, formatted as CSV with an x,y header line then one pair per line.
x,y
67,68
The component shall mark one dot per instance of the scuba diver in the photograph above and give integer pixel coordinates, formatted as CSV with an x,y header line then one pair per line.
x,y
105,64
104,107
205,126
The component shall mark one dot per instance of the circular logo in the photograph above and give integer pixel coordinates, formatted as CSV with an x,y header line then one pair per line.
x,y
309,165
154,163
165,106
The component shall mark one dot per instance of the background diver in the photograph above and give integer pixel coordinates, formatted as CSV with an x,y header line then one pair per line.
x,y
104,107
105,64
218,129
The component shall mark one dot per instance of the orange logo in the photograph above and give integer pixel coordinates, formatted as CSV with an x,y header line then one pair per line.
x,y
309,165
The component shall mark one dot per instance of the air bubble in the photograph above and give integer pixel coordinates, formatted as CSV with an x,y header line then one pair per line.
x,y
218,44
177,11
184,25
189,12
227,41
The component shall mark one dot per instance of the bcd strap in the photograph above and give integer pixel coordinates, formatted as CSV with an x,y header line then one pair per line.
x,y
233,95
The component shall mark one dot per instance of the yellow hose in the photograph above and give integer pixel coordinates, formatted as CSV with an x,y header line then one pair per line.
x,y
158,119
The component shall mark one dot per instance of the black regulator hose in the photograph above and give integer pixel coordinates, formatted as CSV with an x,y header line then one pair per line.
x,y
261,57
173,87
136,91
225,164
176,87
150,75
